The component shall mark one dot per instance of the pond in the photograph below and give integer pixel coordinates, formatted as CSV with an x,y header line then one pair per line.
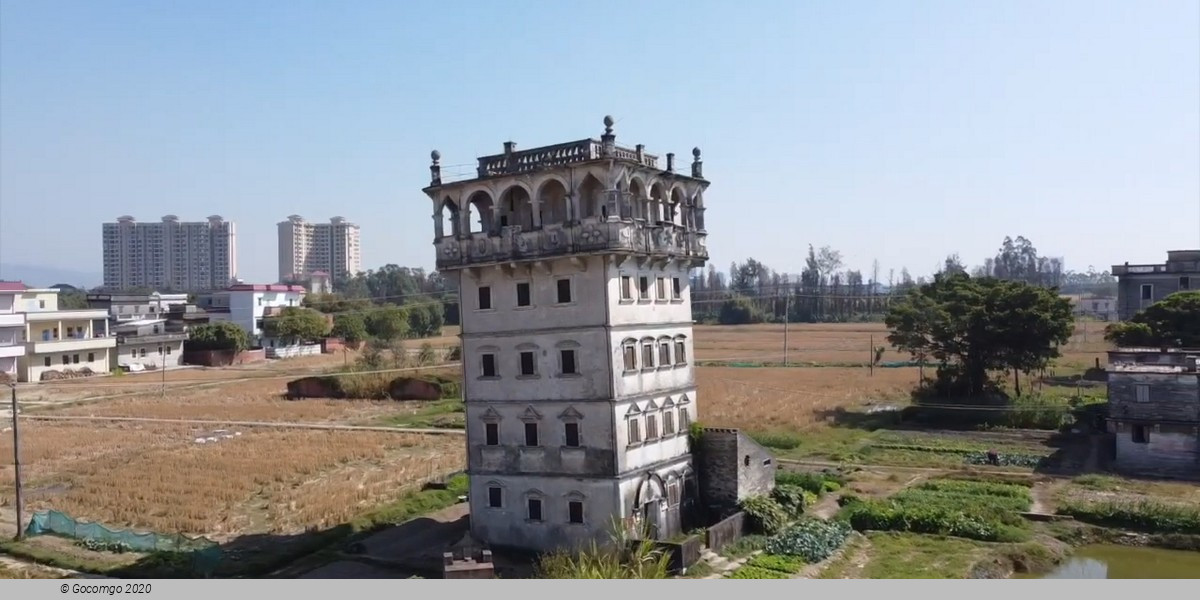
x,y
1125,562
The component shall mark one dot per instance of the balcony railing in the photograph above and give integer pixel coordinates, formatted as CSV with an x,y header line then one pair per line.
x,y
558,154
512,244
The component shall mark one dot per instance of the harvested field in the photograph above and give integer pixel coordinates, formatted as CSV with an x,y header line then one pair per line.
x,y
158,478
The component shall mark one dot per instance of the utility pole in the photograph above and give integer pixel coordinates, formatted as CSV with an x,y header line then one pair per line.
x,y
162,366
17,462
871,355
787,307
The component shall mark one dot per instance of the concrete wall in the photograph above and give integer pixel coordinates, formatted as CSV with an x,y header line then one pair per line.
x,y
223,358
732,467
594,456
1168,450
1129,290
508,525
1172,396
31,366
8,366
147,354
549,383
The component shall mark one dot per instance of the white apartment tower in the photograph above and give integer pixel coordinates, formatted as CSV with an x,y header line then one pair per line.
x,y
305,248
572,265
171,255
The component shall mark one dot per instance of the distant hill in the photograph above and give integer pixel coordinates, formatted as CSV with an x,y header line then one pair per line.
x,y
35,276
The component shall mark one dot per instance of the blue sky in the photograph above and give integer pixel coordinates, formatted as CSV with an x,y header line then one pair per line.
x,y
897,131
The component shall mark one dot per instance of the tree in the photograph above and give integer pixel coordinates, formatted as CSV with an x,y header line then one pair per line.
x,y
738,311
388,323
952,265
1173,321
425,320
296,324
222,335
335,303
351,327
973,326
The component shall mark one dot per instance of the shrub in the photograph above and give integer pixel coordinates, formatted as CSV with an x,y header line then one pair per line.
x,y
1145,515
777,440
813,540
812,482
749,572
790,498
847,499
744,546
619,560
455,353
963,486
781,563
427,355
877,515
765,514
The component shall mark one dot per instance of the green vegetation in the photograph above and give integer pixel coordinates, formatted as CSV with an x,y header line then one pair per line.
x,y
975,510
1173,321
765,514
1143,515
813,540
778,440
443,414
749,572
351,327
783,564
792,499
910,556
295,324
745,546
222,335
817,483
619,560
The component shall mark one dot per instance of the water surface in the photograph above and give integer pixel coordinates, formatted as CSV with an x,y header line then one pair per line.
x,y
1125,562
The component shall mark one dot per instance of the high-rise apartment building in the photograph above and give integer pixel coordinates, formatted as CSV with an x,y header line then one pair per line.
x,y
306,248
171,255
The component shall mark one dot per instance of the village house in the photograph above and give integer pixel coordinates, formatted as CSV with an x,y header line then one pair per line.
x,y
61,342
148,343
1154,411
1139,286
133,307
247,305
12,330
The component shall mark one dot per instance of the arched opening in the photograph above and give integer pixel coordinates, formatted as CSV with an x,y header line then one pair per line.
x,y
480,205
637,197
448,219
657,203
676,207
591,198
552,201
516,208
698,212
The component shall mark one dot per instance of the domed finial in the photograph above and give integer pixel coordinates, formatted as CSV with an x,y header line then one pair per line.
x,y
435,155
608,124
696,153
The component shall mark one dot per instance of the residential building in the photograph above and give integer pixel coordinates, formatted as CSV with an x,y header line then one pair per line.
x,y
571,262
12,329
147,342
248,304
135,307
1154,411
305,248
171,255
1103,308
1139,286
317,282
61,340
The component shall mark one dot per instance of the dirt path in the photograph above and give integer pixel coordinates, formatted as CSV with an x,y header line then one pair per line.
x,y
17,564
827,507
1041,499
247,424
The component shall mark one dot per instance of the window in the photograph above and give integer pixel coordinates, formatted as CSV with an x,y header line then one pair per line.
x,y
626,287
635,431
1147,291
491,433
684,419
495,496
1143,393
647,355
680,352
527,364
92,356
66,359
564,291
575,511
661,288
630,357
535,509
673,493
142,352
1141,435
485,298
41,304
568,362
47,361
664,354
571,435
676,288
531,434
489,364
1185,283
651,427
668,423
643,288
523,294
168,350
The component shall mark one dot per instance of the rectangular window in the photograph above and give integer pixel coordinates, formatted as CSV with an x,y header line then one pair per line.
x,y
673,494
568,362
168,350
491,434
495,497
535,509
635,431
575,511
651,427
41,304
1147,291
47,361
680,353
626,287
1141,434
489,364
647,356
630,358
66,359
1185,283
1143,393
564,291
668,423
485,298
661,288
142,351
685,421
531,434
527,365
571,435
676,288
664,354
92,356
523,294
644,288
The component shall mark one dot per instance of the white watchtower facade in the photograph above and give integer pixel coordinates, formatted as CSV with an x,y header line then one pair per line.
x,y
572,263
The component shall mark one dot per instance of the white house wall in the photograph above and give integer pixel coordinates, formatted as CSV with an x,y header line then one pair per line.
x,y
549,383
587,306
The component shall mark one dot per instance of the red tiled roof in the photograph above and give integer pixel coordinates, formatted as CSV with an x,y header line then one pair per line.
x,y
12,286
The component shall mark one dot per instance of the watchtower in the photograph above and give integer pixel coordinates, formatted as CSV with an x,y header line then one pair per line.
x,y
572,263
